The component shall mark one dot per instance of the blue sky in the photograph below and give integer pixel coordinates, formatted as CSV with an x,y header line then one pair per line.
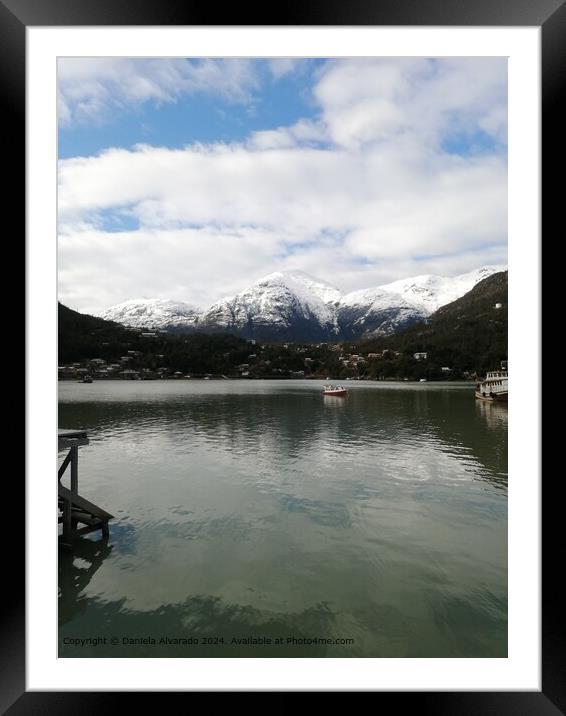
x,y
190,179
277,101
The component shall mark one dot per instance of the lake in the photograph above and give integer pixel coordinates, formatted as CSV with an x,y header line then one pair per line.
x,y
260,518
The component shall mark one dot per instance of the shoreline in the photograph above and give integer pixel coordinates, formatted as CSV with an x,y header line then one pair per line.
x,y
216,379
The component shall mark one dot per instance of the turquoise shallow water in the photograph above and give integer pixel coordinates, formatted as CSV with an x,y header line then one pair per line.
x,y
259,518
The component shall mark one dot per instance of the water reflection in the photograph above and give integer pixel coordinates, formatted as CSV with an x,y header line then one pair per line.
x,y
496,415
76,569
333,401
267,506
200,620
288,423
192,629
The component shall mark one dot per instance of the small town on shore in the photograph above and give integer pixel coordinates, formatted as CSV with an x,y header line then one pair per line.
x,y
287,360
463,340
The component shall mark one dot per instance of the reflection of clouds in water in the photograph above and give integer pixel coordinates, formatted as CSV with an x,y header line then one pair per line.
x,y
282,427
269,502
206,616
466,624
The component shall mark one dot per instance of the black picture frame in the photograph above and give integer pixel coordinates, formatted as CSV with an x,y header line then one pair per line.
x,y
550,16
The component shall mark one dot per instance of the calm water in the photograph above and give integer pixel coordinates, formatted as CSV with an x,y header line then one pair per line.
x,y
263,510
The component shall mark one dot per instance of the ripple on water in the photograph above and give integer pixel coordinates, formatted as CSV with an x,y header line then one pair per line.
x,y
258,507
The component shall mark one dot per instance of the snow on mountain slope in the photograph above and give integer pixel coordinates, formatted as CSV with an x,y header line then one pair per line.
x,y
390,307
291,305
283,301
375,311
431,292
153,313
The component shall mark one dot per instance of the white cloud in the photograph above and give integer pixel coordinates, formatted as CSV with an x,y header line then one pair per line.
x,y
90,89
374,100
97,268
281,66
362,196
304,132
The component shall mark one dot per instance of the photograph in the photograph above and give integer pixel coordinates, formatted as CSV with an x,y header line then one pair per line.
x,y
282,357
276,269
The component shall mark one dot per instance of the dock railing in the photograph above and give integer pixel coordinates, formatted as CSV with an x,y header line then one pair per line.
x,y
78,515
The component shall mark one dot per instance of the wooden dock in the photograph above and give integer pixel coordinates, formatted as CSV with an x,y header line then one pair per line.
x,y
78,515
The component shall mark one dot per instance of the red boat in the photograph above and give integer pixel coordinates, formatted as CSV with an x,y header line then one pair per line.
x,y
336,390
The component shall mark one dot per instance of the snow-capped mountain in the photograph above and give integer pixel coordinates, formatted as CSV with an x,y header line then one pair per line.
x,y
293,306
393,306
153,313
431,292
285,302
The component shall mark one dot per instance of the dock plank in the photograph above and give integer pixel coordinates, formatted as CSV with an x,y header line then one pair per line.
x,y
67,433
79,501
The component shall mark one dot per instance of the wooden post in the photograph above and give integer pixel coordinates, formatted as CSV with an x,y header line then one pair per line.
x,y
74,451
75,468
75,509
67,521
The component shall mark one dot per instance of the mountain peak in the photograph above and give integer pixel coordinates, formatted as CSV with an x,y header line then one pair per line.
x,y
294,276
293,305
152,312
289,273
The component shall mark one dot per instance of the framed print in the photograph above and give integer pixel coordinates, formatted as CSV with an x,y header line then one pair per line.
x,y
272,267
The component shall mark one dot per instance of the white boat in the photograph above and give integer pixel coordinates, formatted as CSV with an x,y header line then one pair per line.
x,y
337,390
494,387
